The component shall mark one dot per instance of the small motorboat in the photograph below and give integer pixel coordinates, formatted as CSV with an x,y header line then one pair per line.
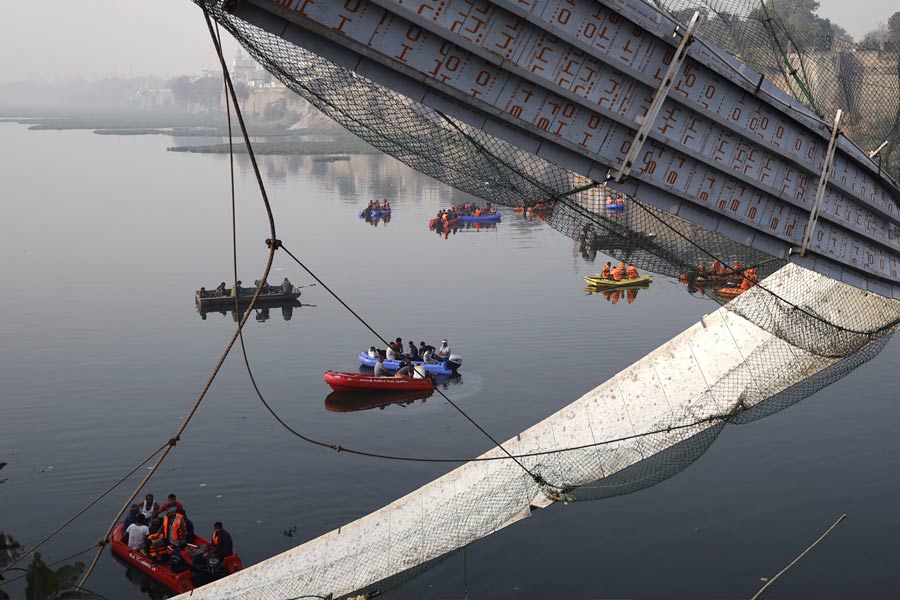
x,y
491,218
208,300
354,401
163,574
365,382
596,281
448,367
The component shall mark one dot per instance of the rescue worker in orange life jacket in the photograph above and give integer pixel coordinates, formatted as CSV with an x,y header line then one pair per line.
x,y
222,544
618,273
607,269
632,272
717,268
174,528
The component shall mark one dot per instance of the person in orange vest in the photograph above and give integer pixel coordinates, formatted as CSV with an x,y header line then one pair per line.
x,y
632,272
717,268
222,544
737,266
607,269
477,212
749,279
618,273
701,269
174,528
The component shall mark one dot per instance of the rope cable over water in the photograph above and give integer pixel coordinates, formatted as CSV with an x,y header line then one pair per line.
x,y
83,510
273,245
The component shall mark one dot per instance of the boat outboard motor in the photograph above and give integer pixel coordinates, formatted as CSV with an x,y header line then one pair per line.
x,y
454,362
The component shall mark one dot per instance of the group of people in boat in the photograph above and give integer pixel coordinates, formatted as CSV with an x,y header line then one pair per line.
x,y
161,532
470,209
377,206
727,281
222,291
616,204
620,272
395,351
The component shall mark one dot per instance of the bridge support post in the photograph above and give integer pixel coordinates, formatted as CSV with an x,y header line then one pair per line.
x,y
646,122
823,184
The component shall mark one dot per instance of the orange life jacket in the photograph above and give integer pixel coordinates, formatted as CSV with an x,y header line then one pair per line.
x,y
632,273
179,528
717,268
155,549
617,274
605,272
477,212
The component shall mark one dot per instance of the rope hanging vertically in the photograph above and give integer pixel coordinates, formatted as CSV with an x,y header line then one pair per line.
x,y
272,244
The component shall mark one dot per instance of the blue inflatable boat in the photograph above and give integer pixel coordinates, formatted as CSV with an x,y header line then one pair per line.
x,y
442,368
375,214
494,218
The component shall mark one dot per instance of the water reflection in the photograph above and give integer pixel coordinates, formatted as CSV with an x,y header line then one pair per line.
x,y
261,314
355,401
613,296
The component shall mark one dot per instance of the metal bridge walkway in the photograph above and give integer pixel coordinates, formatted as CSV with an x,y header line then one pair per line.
x,y
616,88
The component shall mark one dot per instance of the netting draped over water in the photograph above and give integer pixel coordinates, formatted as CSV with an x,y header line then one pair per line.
x,y
812,330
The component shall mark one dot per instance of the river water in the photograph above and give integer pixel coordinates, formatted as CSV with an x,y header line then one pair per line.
x,y
105,238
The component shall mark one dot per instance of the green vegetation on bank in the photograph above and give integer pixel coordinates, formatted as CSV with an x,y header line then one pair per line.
x,y
342,145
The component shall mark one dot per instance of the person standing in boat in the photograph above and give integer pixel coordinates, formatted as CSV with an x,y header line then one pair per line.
x,y
220,290
286,286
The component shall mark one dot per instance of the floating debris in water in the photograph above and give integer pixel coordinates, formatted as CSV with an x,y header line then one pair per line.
x,y
289,531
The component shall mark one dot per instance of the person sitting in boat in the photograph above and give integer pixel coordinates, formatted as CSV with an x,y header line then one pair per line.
x,y
717,269
618,273
222,544
443,353
171,501
632,272
405,369
423,347
387,205
701,269
390,353
188,523
413,352
136,534
131,517
148,507
380,369
373,353
220,290
286,286
607,270
397,345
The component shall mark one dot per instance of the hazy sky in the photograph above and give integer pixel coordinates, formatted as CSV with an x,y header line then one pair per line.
x,y
61,40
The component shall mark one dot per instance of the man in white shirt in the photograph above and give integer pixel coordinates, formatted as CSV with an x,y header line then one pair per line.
x,y
390,354
137,533
373,353
443,352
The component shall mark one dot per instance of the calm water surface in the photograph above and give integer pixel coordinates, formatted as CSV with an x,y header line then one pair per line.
x,y
103,240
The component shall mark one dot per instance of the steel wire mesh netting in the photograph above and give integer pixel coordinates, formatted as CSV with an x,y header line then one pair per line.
x,y
814,60
821,332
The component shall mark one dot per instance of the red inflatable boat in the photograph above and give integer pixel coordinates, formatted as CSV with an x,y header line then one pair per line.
x,y
363,382
161,573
